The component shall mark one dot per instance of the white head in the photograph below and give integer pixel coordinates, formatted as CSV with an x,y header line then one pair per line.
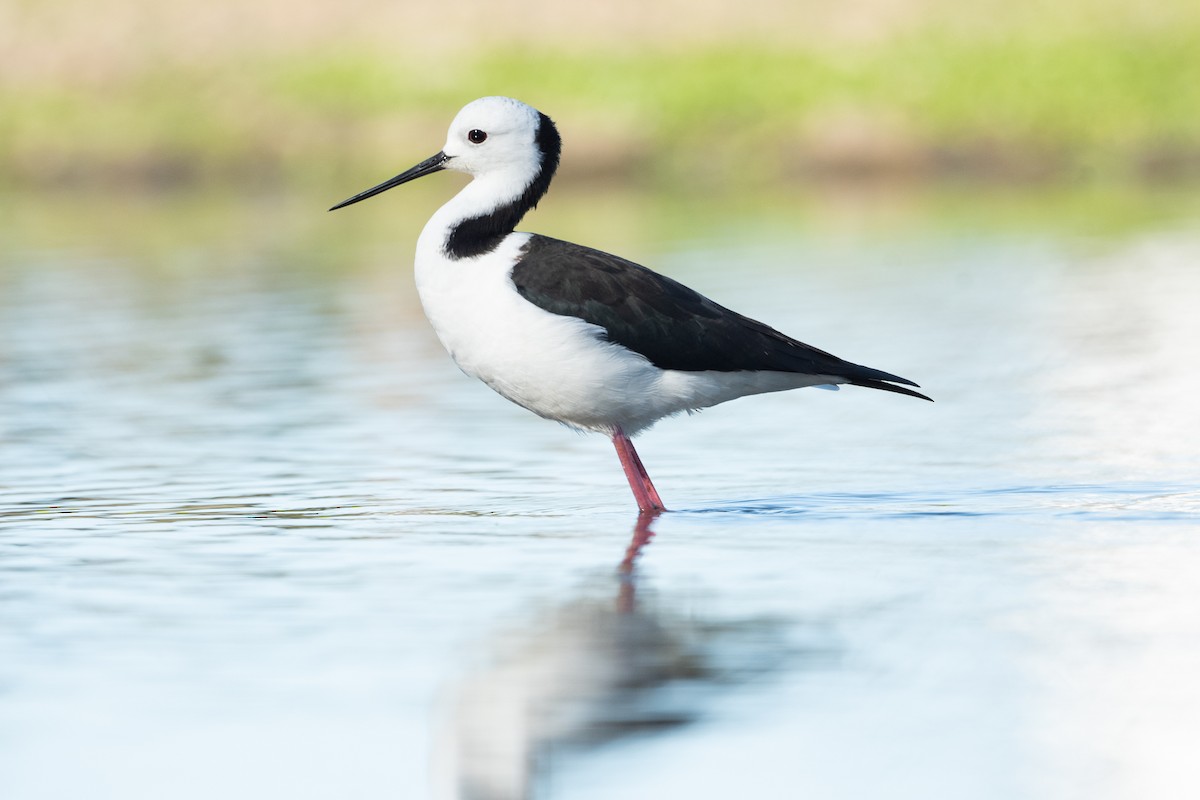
x,y
494,134
498,137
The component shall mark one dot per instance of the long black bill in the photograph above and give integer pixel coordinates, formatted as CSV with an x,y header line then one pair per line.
x,y
426,167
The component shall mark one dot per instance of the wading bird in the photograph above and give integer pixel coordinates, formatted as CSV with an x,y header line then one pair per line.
x,y
574,334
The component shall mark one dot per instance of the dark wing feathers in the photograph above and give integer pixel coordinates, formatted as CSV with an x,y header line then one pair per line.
x,y
671,325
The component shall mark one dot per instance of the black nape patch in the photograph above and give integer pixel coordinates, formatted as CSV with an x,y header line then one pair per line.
x,y
482,234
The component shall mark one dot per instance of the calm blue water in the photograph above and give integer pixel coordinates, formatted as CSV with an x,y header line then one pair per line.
x,y
259,538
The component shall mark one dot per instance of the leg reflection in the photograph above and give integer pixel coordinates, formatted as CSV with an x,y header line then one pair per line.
x,y
642,534
588,670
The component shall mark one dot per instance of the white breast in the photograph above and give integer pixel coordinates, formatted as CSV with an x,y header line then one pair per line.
x,y
555,366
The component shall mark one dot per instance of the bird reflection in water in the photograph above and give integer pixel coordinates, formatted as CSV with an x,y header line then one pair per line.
x,y
584,673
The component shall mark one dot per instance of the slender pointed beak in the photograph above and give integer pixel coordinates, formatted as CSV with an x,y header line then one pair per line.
x,y
426,167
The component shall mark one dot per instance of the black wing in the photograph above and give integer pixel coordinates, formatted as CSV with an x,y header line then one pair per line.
x,y
671,325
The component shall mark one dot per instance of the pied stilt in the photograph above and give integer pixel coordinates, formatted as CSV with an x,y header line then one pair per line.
x,y
575,334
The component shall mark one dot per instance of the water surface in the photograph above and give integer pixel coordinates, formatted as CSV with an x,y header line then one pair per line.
x,y
259,537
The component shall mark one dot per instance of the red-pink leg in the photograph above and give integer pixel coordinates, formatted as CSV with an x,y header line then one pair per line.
x,y
643,490
655,500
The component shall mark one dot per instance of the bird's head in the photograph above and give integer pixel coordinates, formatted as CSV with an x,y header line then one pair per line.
x,y
494,137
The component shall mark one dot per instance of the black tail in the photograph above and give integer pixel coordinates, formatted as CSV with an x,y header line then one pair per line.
x,y
872,383
858,375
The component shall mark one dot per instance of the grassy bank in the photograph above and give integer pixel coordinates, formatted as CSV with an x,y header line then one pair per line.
x,y
1094,105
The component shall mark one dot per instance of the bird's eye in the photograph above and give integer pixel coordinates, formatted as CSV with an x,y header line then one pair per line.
x,y
476,136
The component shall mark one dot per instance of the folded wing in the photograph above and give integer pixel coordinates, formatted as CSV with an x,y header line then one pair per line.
x,y
669,324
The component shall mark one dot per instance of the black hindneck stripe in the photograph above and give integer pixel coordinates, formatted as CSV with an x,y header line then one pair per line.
x,y
478,235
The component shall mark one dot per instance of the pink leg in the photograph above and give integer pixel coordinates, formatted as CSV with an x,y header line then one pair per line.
x,y
655,500
643,490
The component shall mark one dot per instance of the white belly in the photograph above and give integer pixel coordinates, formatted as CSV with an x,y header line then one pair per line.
x,y
556,366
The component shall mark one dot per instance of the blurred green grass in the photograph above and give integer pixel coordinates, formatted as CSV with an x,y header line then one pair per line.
x,y
1074,103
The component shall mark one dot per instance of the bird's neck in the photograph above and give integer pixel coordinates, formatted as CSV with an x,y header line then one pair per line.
x,y
489,208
